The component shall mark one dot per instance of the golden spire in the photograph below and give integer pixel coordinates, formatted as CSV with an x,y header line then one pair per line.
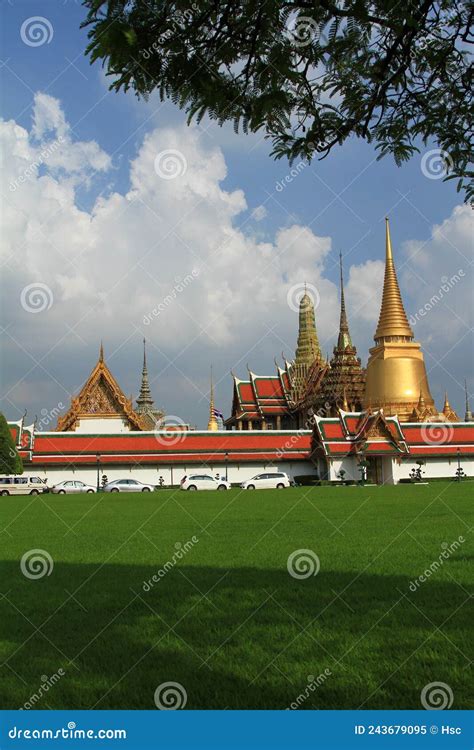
x,y
447,405
393,320
307,348
212,425
101,352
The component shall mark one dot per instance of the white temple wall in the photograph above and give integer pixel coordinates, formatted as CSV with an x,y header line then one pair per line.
x,y
237,472
102,425
434,468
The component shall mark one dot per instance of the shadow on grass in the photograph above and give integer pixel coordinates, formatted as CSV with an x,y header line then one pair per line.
x,y
237,638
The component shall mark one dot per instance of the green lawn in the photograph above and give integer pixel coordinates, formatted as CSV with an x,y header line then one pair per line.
x,y
227,621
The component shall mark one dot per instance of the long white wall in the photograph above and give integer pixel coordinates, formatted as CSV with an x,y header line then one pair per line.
x,y
171,475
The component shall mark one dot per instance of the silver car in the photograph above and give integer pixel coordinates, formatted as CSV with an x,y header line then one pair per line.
x,y
72,486
128,485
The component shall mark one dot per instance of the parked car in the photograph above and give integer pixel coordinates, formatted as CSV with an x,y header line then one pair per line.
x,y
128,485
204,482
22,484
72,486
275,479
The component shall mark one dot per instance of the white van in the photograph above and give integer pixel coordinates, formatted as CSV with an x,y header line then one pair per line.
x,y
274,479
22,484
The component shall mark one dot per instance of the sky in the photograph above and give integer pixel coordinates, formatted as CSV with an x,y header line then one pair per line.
x,y
120,222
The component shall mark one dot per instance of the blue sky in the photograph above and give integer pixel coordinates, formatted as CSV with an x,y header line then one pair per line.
x,y
344,198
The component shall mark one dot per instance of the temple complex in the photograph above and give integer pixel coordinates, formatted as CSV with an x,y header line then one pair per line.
x,y
332,419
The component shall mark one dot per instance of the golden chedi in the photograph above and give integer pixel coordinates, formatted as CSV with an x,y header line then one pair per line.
x,y
396,376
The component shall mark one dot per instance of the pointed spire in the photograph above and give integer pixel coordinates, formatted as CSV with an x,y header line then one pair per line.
x,y
393,320
101,352
447,405
344,338
144,400
468,414
307,349
421,400
212,425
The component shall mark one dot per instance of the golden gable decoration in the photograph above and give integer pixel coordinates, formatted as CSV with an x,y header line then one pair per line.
x,y
100,396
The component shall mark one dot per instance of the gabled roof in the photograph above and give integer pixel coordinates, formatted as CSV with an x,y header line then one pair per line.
x,y
100,395
372,433
260,396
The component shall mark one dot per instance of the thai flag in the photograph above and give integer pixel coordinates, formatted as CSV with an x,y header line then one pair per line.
x,y
218,414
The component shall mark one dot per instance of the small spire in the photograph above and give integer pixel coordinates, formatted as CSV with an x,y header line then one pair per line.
x,y
421,400
144,400
447,405
468,414
344,338
101,352
392,320
212,425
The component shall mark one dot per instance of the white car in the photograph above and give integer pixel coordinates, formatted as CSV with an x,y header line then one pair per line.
x,y
203,482
72,486
275,480
128,485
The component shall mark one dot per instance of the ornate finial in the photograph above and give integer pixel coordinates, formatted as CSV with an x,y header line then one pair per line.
x,y
468,414
144,401
447,405
212,425
392,320
101,352
344,338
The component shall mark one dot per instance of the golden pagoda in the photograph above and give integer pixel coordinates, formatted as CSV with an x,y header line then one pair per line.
x,y
396,376
308,351
212,425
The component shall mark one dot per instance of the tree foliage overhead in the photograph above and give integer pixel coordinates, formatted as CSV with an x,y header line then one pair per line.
x,y
10,461
309,74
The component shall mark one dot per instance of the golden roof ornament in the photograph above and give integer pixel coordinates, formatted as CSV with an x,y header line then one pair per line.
x,y
212,425
392,320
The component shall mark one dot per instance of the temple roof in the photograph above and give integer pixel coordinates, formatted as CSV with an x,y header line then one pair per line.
x,y
100,396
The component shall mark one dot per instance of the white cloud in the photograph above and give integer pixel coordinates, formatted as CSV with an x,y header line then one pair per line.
x,y
259,213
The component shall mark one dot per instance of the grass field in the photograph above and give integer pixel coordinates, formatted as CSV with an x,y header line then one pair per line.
x,y
227,621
